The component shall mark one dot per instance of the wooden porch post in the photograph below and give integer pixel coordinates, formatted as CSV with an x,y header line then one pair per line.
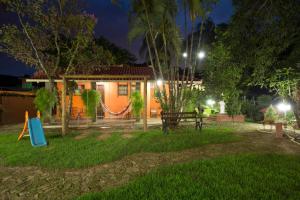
x,y
63,107
145,104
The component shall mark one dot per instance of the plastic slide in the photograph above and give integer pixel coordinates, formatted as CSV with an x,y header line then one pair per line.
x,y
36,132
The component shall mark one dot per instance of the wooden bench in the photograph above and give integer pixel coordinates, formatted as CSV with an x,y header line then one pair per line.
x,y
172,119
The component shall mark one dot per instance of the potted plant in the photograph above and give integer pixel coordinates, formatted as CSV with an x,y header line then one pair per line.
x,y
137,104
270,115
91,99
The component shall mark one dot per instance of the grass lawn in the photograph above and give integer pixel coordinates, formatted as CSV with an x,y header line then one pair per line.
x,y
70,153
230,177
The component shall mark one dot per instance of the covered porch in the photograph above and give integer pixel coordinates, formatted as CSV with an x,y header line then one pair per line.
x,y
98,82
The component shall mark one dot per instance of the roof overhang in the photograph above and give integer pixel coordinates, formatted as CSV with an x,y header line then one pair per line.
x,y
105,77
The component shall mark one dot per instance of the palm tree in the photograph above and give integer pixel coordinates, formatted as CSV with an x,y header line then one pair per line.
x,y
155,22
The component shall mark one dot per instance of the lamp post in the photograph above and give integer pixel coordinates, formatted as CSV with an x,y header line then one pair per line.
x,y
284,107
185,55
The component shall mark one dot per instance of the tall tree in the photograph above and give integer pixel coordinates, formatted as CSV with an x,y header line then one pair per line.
x,y
54,36
155,22
264,38
49,35
121,56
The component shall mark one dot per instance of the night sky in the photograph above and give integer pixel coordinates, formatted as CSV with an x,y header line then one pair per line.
x,y
112,24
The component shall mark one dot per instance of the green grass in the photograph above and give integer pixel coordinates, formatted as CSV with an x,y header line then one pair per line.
x,y
230,177
70,153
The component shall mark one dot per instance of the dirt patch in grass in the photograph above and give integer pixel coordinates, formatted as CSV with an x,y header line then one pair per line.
x,y
82,135
105,135
38,183
127,134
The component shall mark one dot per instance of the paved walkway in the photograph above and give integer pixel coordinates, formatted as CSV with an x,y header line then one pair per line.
x,y
37,183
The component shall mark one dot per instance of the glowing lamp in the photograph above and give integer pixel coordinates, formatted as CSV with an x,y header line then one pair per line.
x,y
159,82
185,55
210,102
283,107
201,55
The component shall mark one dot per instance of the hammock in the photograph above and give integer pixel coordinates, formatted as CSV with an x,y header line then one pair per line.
x,y
122,112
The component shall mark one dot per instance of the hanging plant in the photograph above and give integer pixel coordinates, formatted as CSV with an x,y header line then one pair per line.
x,y
137,104
91,100
45,101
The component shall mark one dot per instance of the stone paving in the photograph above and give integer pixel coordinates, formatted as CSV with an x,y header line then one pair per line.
x,y
37,183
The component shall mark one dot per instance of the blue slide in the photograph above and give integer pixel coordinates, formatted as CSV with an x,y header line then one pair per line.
x,y
36,132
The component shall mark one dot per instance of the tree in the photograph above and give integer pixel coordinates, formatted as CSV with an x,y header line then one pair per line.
x,y
221,74
264,39
50,35
155,22
120,55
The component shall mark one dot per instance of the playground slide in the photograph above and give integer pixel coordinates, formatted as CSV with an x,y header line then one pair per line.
x,y
36,132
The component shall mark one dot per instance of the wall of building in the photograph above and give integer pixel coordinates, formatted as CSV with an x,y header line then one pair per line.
x,y
113,100
12,109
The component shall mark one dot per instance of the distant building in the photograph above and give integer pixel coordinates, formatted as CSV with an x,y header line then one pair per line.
x,y
16,97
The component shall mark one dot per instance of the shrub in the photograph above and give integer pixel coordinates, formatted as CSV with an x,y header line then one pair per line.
x,y
137,104
91,99
233,104
270,115
194,99
45,102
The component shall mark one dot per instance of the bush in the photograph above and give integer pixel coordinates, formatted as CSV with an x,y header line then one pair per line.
x,y
137,104
194,99
45,101
251,110
270,115
233,104
91,100
248,108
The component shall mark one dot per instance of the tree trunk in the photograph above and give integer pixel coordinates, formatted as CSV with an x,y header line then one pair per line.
x,y
63,105
69,115
297,105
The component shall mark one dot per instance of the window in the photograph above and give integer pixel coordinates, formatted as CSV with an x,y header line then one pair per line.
x,y
123,90
136,87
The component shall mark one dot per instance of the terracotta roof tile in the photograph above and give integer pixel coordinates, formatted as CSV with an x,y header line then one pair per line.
x,y
105,70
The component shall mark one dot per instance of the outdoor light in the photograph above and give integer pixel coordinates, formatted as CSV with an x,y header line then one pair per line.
x,y
210,102
201,55
185,54
159,82
283,107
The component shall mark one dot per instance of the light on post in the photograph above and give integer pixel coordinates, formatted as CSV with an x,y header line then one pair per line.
x,y
201,55
210,102
283,107
159,82
185,55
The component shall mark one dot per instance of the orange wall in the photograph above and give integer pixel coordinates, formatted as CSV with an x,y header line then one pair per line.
x,y
112,100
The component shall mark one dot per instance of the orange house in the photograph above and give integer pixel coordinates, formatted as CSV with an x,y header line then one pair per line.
x,y
115,84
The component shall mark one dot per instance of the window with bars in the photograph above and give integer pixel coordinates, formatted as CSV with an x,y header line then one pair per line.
x,y
122,90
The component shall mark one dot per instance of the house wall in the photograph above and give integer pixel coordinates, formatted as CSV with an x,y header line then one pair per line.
x,y
113,100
